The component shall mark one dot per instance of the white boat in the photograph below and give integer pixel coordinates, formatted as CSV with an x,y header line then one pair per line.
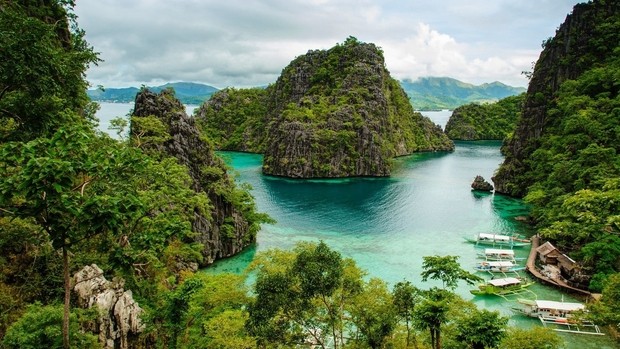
x,y
494,254
497,240
498,266
501,287
562,315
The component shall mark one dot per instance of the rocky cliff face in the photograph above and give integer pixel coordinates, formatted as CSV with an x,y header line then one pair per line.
x,y
338,113
578,45
119,314
227,231
331,113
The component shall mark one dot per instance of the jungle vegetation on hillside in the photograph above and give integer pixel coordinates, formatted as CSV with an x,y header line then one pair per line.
x,y
72,196
485,121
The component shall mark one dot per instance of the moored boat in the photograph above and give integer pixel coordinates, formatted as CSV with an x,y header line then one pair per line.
x,y
503,286
562,316
497,240
498,267
494,254
548,309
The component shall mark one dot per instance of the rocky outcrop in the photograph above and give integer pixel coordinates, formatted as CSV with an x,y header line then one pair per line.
x,y
480,184
339,113
331,113
579,44
226,230
119,314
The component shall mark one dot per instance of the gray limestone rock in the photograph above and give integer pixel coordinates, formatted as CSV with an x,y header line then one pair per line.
x,y
119,313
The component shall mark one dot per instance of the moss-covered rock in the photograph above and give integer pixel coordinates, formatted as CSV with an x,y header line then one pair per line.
x,y
331,113
497,120
160,126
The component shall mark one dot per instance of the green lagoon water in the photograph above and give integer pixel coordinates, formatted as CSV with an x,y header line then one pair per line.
x,y
388,224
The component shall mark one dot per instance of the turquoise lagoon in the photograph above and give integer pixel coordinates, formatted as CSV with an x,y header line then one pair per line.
x,y
388,224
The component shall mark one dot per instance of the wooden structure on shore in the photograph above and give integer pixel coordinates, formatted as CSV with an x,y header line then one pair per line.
x,y
558,281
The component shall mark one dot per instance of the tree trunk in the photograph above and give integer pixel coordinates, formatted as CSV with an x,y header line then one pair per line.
x,y
438,338
432,330
65,320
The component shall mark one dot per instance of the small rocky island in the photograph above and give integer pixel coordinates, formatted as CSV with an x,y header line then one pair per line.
x,y
331,113
481,185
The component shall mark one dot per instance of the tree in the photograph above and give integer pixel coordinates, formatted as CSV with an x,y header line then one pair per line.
x,y
607,310
39,327
74,185
432,311
534,338
373,313
405,297
481,329
303,295
43,58
446,269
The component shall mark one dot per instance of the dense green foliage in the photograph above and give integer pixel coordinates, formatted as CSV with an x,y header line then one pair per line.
x,y
576,168
42,69
564,155
186,92
71,196
434,93
235,119
485,121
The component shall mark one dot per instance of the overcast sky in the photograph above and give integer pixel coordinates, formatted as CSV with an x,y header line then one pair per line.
x,y
245,43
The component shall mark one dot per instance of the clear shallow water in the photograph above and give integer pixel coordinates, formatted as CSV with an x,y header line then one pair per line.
x,y
388,224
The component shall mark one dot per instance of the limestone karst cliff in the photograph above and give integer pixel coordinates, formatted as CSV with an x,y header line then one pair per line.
x,y
333,113
232,223
587,38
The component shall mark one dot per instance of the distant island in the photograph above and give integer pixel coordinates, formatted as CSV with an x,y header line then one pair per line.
x,y
435,93
186,92
429,93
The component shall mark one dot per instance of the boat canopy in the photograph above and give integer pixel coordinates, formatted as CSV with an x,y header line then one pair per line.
x,y
498,252
561,306
498,264
504,282
485,236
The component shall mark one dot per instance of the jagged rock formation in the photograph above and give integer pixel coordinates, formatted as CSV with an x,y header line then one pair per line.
x,y
338,113
485,121
227,230
480,184
119,314
578,45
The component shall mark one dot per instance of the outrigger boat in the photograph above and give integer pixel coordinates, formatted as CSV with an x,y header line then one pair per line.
x,y
502,287
494,254
498,240
498,267
558,314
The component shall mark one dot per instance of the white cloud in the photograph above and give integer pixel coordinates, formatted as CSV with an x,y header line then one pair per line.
x,y
248,43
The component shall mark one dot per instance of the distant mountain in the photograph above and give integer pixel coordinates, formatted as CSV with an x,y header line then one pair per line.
x,y
186,92
432,93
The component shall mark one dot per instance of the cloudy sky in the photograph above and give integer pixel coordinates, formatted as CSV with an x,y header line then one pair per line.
x,y
245,43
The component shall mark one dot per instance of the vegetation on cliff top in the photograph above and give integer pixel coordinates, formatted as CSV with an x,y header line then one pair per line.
x,y
564,153
332,113
485,121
